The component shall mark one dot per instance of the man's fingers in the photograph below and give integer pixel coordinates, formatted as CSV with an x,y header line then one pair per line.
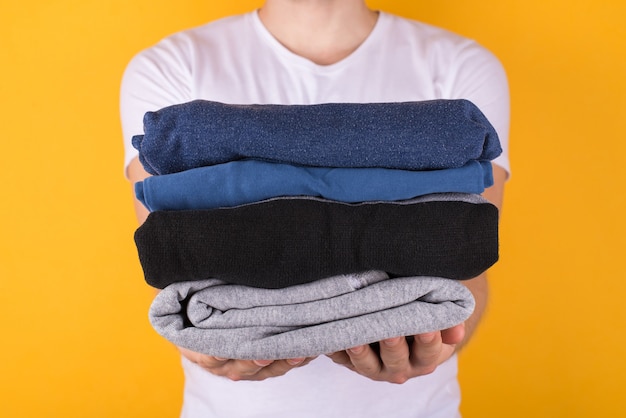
x,y
394,353
454,335
207,362
243,369
426,351
365,360
281,367
341,358
262,363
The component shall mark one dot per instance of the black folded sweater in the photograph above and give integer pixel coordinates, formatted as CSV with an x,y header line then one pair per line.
x,y
287,241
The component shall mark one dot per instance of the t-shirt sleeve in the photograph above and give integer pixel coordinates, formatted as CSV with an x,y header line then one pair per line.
x,y
154,78
480,77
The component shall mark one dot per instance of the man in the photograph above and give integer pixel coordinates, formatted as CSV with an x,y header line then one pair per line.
x,y
307,52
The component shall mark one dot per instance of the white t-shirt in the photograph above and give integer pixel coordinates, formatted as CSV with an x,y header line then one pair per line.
x,y
236,60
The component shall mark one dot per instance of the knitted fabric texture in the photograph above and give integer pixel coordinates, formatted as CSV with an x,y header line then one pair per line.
x,y
332,314
240,182
422,135
287,241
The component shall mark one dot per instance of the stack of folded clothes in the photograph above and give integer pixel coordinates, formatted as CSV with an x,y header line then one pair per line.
x,y
282,231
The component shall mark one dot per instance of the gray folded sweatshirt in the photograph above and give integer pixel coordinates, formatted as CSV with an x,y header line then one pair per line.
x,y
332,314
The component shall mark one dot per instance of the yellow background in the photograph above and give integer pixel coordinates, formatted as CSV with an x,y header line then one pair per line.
x,y
73,305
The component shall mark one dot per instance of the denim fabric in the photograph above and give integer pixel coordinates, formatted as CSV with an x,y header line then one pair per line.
x,y
423,135
287,241
240,182
325,316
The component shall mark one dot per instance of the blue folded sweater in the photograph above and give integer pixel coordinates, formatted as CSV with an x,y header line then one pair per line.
x,y
247,181
422,135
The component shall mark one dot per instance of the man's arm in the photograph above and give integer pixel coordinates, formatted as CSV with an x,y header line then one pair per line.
x,y
400,361
479,286
231,369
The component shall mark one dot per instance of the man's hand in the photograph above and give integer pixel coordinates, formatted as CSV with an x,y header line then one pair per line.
x,y
243,369
400,360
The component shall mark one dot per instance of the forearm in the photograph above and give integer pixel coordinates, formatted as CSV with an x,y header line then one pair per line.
x,y
479,287
135,173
